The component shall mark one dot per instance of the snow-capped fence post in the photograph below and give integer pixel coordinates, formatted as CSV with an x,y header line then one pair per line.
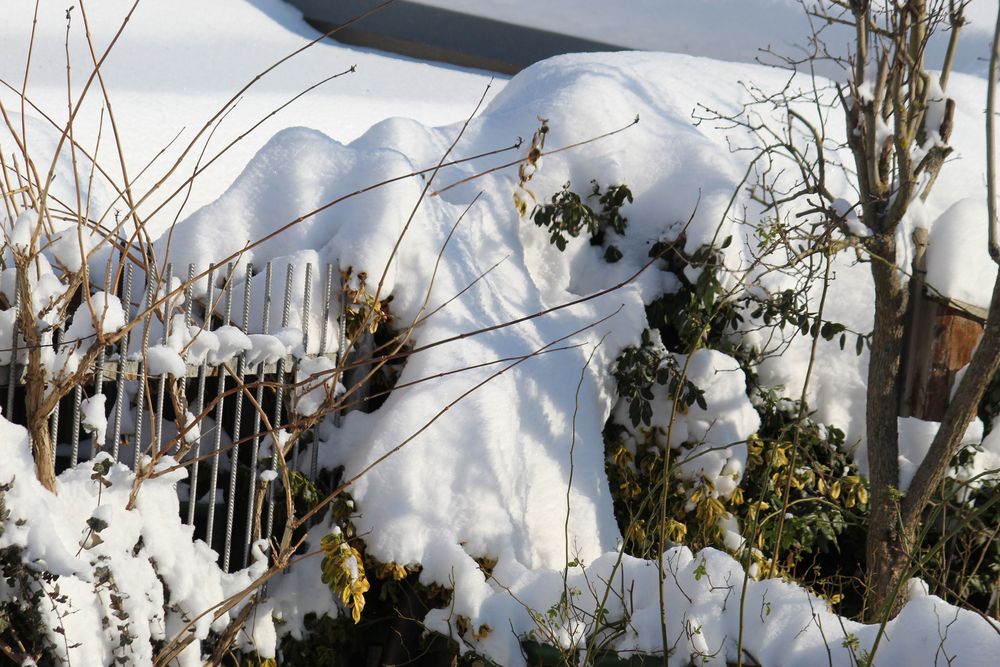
x,y
941,335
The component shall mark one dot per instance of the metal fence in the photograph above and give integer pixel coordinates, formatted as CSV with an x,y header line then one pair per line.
x,y
229,452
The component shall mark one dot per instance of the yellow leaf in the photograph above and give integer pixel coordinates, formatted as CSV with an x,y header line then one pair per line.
x,y
862,495
344,572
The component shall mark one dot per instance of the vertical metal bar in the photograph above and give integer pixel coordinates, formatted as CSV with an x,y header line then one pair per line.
x,y
228,292
122,356
162,384
200,399
327,288
74,456
98,389
327,293
306,306
279,395
103,355
255,445
187,303
341,345
140,395
234,454
268,276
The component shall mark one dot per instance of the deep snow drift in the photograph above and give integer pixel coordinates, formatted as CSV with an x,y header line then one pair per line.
x,y
492,475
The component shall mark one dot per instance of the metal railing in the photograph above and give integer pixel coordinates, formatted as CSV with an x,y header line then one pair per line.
x,y
227,450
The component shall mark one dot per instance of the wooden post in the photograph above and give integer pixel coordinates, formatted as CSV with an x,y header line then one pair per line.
x,y
941,335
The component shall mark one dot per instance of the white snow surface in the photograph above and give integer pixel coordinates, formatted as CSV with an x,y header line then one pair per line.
x,y
782,624
915,437
959,238
161,576
179,61
93,416
482,451
507,465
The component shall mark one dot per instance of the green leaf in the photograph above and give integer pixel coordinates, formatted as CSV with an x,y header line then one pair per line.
x,y
96,524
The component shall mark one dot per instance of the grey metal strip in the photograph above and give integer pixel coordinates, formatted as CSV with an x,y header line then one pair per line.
x,y
279,396
219,410
434,33
122,355
234,453
255,445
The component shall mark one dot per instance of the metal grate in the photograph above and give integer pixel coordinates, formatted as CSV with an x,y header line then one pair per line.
x,y
225,460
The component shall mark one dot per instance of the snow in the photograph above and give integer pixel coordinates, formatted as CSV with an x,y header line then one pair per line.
x,y
265,349
290,605
232,342
143,558
959,238
461,486
915,438
477,454
201,56
73,247
102,313
314,379
94,417
161,360
193,429
781,623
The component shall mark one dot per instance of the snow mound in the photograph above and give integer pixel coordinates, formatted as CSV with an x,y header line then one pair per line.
x,y
958,259
705,610
477,477
118,579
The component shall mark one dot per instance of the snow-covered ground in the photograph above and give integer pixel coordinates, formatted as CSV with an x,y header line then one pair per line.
x,y
510,466
179,61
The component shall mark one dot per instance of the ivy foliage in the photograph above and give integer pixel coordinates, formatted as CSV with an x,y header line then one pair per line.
x,y
801,505
567,214
701,313
640,368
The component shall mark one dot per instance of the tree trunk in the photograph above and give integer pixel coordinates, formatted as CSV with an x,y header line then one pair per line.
x,y
894,522
42,446
888,547
37,405
884,548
